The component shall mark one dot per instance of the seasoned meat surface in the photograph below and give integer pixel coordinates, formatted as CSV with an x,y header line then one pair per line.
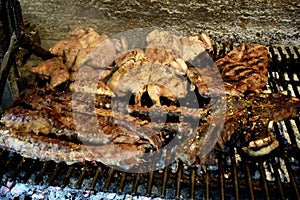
x,y
94,120
245,68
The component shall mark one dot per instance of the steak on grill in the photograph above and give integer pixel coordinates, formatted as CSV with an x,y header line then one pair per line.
x,y
90,115
245,68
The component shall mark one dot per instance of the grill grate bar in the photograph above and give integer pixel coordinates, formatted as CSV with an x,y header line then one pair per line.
x,y
108,179
192,184
273,55
136,184
30,170
18,169
165,181
289,128
277,178
282,53
122,182
207,186
235,176
95,178
221,177
292,53
81,177
249,180
264,182
178,180
68,176
41,173
292,179
54,174
297,52
149,183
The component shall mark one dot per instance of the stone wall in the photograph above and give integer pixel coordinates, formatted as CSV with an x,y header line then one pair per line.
x,y
261,21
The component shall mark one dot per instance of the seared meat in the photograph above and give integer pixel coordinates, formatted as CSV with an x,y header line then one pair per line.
x,y
56,117
44,148
245,68
94,120
53,69
49,115
250,119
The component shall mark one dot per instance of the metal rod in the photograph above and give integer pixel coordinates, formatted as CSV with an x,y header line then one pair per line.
x,y
149,183
249,180
135,184
81,177
68,175
178,180
108,180
291,55
292,179
221,177
30,169
122,182
192,184
39,177
18,168
277,177
297,52
264,182
235,177
207,186
55,174
164,182
95,178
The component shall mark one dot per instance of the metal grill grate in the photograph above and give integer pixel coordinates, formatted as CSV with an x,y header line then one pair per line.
x,y
233,177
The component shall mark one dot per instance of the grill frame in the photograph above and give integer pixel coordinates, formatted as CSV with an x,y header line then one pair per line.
x,y
236,180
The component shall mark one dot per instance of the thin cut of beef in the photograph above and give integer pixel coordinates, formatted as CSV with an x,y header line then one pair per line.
x,y
245,68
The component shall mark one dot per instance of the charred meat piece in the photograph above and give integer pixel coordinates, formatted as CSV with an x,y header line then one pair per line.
x,y
252,115
72,53
245,68
53,69
75,49
248,119
55,116
185,47
44,148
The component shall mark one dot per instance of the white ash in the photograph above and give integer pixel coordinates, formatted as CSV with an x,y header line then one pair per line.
x,y
39,192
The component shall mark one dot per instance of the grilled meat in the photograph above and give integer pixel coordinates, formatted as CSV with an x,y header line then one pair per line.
x,y
59,118
255,112
249,119
44,148
53,69
47,115
245,68
91,122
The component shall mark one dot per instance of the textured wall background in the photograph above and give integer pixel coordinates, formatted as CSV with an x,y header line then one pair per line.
x,y
261,21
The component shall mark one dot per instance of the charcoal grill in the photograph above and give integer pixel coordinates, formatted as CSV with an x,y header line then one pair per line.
x,y
235,176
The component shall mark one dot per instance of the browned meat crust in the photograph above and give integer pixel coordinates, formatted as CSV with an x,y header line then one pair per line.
x,y
72,126
245,68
